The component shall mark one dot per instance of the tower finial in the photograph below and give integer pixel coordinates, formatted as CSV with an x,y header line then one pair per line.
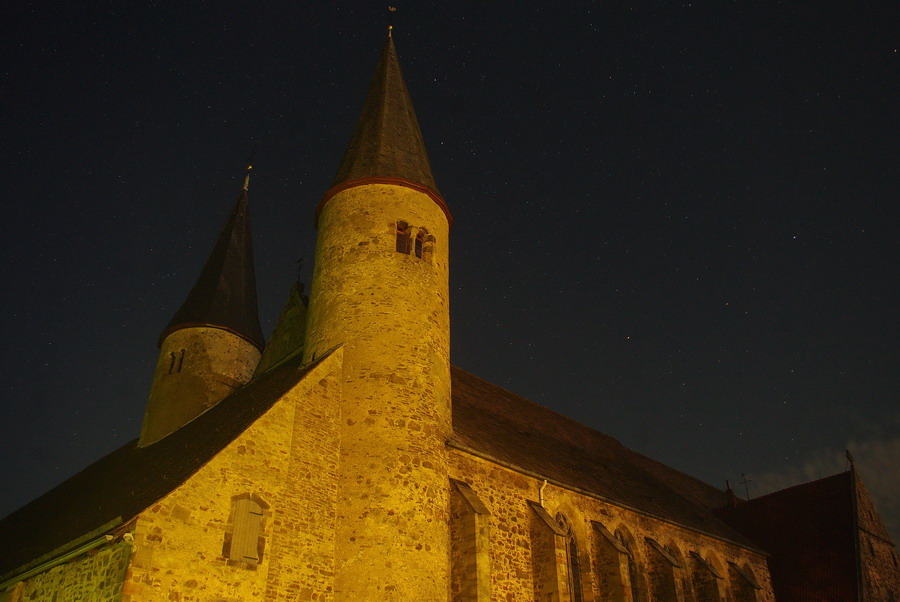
x,y
391,11
247,177
249,166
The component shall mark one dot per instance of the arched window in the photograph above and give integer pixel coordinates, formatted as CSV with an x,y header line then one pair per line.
x,y
403,238
634,577
707,577
662,570
572,559
244,543
744,586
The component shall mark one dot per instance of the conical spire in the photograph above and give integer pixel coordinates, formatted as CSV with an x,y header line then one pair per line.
x,y
225,293
387,142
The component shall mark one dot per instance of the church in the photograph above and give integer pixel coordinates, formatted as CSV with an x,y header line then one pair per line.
x,y
347,459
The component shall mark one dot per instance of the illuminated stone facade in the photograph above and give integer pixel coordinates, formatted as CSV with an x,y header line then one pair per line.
x,y
354,463
390,311
197,368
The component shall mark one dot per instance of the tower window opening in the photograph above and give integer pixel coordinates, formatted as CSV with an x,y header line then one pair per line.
x,y
403,238
171,361
180,361
420,240
428,248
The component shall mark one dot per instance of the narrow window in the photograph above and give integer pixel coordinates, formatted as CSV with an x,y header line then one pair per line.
x,y
574,564
403,238
171,361
428,249
180,361
633,572
420,239
243,543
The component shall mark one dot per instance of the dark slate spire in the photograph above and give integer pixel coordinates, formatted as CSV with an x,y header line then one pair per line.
x,y
387,142
225,293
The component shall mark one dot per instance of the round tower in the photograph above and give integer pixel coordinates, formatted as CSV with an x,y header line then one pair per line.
x,y
214,341
380,288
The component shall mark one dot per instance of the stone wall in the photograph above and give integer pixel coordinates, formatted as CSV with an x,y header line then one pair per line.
x,y
97,575
604,568
390,310
288,460
197,367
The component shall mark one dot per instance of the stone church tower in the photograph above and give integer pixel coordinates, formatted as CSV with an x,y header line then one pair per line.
x,y
214,341
380,289
351,462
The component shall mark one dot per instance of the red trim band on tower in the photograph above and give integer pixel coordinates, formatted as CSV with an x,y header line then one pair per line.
x,y
176,327
437,198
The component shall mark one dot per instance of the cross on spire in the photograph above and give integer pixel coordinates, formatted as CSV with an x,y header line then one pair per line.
x,y
745,481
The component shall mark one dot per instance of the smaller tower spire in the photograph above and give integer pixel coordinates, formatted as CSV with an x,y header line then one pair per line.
x,y
213,343
224,295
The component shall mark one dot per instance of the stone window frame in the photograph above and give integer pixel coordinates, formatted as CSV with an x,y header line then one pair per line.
x,y
573,560
421,246
708,564
244,530
638,586
665,566
470,524
746,573
402,232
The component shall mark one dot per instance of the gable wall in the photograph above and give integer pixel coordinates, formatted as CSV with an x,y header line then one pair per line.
x,y
505,493
287,459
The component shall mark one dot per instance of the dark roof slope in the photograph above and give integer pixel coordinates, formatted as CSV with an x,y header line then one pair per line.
x,y
487,420
496,423
224,295
387,141
132,478
809,531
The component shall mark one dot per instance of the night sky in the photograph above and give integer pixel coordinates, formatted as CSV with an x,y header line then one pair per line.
x,y
675,223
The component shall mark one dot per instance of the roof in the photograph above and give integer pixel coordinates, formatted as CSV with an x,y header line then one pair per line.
x,y
810,532
224,295
491,422
387,141
487,420
132,478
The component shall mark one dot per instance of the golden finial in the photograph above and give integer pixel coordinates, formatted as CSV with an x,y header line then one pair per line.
x,y
391,10
247,178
